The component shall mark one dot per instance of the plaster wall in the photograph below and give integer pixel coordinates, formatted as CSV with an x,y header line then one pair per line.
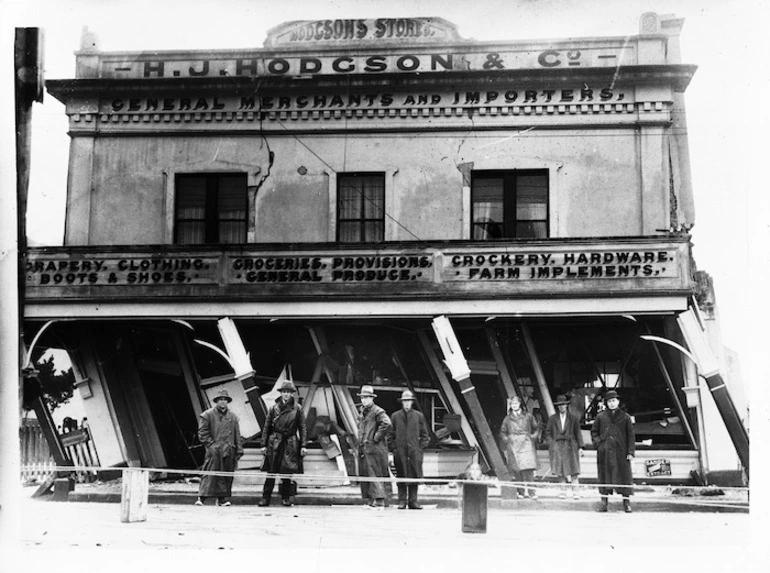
x,y
606,182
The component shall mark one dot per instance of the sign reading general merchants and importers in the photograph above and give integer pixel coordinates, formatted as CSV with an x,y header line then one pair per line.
x,y
445,268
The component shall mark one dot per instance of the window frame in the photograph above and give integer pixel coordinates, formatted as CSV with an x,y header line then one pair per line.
x,y
362,220
510,200
211,219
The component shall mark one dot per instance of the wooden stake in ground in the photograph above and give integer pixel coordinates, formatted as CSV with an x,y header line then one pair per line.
x,y
134,493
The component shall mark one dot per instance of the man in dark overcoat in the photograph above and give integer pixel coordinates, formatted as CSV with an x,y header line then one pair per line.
x,y
409,437
565,445
373,427
284,443
220,434
614,438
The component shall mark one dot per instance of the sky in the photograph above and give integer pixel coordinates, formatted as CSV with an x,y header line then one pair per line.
x,y
726,114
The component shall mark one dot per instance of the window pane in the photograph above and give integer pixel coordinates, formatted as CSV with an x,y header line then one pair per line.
x,y
350,232
531,197
191,233
374,231
487,208
191,198
232,197
232,231
374,197
532,229
350,200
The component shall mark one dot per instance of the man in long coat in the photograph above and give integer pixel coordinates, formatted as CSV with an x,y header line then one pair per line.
x,y
565,445
409,437
220,434
373,427
614,438
284,443
518,434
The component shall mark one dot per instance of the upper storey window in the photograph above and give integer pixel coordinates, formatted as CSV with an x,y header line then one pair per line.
x,y
211,208
509,204
361,207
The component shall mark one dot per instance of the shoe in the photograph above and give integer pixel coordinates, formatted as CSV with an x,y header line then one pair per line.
x,y
576,496
198,502
378,505
533,496
415,506
226,504
286,503
402,506
602,507
263,502
627,506
562,496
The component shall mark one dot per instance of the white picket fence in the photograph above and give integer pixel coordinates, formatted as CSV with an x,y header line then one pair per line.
x,y
37,472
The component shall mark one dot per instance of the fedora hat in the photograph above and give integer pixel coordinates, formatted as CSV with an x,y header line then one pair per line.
x,y
367,390
561,399
222,395
407,395
287,386
611,394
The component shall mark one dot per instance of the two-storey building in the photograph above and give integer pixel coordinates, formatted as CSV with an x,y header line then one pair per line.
x,y
317,203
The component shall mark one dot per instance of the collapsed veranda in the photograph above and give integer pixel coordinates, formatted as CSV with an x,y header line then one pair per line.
x,y
312,206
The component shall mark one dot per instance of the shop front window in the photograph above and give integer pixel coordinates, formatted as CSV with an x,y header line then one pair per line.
x,y
509,204
210,208
361,207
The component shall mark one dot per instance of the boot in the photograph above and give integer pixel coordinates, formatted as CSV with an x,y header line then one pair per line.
x,y
602,507
626,505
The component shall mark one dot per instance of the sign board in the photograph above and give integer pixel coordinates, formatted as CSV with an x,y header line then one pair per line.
x,y
661,467
547,268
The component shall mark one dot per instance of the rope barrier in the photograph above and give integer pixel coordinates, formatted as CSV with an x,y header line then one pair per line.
x,y
586,489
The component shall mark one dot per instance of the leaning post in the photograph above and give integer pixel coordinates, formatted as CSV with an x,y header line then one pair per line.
x,y
134,493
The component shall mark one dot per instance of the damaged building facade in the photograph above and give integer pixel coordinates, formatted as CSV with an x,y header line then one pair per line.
x,y
381,201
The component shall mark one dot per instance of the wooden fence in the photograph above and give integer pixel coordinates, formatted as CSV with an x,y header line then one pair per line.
x,y
37,463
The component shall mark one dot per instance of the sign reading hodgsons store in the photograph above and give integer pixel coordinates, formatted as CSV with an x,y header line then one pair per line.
x,y
432,270
408,45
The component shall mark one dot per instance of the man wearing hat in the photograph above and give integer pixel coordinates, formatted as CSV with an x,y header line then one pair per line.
x,y
613,436
565,445
409,438
220,434
284,443
373,428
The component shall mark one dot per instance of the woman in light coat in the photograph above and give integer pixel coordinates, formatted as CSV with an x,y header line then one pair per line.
x,y
518,436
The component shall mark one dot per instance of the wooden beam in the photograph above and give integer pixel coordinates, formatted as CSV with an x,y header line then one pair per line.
x,y
341,393
545,394
319,365
502,365
446,388
488,440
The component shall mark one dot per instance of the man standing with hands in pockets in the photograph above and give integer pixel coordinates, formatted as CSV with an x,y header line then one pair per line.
x,y
409,438
614,438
